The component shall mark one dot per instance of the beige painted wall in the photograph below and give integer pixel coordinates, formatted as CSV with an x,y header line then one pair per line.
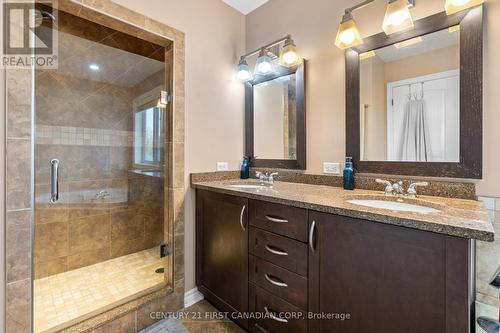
x,y
215,37
314,26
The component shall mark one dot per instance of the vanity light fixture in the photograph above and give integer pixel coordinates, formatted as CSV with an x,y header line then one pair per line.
x,y
397,16
408,42
454,6
264,64
243,73
267,56
289,57
348,34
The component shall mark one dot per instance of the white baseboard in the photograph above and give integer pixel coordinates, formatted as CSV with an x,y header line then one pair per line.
x,y
192,297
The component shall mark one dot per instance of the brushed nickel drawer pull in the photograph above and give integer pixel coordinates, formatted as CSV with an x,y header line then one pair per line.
x,y
276,283
241,217
275,220
273,317
275,251
311,236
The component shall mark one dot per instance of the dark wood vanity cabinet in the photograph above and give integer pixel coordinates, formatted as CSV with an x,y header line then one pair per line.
x,y
222,251
367,277
387,278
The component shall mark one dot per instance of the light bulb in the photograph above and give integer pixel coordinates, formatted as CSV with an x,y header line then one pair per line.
x,y
290,57
243,71
348,36
243,75
397,18
264,67
264,64
348,33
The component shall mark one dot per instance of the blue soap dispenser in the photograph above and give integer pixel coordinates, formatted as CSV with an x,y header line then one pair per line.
x,y
348,174
245,168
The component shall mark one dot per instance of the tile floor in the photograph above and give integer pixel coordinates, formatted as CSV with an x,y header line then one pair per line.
x,y
196,321
64,298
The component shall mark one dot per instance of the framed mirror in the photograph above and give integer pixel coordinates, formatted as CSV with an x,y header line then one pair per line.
x,y
414,99
275,119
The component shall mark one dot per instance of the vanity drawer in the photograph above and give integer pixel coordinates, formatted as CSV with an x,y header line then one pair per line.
x,y
284,220
264,302
282,251
285,284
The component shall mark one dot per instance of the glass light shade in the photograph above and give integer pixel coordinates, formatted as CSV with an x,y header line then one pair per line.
x,y
455,6
348,35
397,17
264,64
289,56
243,73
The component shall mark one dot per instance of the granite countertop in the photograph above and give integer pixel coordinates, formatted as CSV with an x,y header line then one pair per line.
x,y
456,217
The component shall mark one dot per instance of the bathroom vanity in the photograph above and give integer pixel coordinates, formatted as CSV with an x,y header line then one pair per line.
x,y
309,260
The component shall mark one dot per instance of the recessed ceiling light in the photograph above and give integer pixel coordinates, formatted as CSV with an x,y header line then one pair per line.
x,y
94,67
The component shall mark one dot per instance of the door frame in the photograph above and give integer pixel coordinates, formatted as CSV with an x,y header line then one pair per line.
x,y
410,82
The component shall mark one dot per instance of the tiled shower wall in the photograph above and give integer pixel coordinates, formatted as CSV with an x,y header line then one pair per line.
x,y
487,262
87,125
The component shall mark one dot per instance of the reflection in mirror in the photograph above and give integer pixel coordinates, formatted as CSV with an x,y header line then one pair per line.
x,y
409,97
275,118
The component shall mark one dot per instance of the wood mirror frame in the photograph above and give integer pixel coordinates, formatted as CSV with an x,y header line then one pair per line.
x,y
300,162
471,98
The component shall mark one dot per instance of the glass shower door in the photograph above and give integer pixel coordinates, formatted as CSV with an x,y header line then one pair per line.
x,y
99,179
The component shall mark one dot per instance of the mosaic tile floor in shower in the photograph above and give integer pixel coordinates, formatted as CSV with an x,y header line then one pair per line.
x,y
64,298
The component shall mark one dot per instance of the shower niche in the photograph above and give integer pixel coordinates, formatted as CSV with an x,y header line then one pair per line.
x,y
101,212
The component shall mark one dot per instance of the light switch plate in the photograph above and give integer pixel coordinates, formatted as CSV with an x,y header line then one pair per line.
x,y
222,166
333,168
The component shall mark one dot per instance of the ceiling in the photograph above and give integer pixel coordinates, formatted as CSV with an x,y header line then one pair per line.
x,y
115,65
245,6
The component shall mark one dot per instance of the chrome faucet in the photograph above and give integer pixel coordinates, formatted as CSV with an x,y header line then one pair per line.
x,y
397,189
266,177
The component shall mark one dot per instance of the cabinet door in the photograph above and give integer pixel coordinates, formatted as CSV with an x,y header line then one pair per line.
x,y
222,250
388,279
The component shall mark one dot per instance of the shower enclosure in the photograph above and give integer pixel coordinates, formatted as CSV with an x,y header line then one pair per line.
x,y
100,152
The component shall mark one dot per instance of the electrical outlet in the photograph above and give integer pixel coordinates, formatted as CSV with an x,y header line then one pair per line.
x,y
222,166
331,168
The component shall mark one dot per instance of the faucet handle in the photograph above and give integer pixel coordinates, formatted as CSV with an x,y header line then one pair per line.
x,y
274,174
412,189
389,188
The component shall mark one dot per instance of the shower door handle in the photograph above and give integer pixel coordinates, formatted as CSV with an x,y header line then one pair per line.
x,y
54,180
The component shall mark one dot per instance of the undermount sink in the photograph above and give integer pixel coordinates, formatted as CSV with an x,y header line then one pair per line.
x,y
394,205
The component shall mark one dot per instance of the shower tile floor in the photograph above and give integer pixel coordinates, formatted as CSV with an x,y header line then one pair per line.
x,y
64,298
